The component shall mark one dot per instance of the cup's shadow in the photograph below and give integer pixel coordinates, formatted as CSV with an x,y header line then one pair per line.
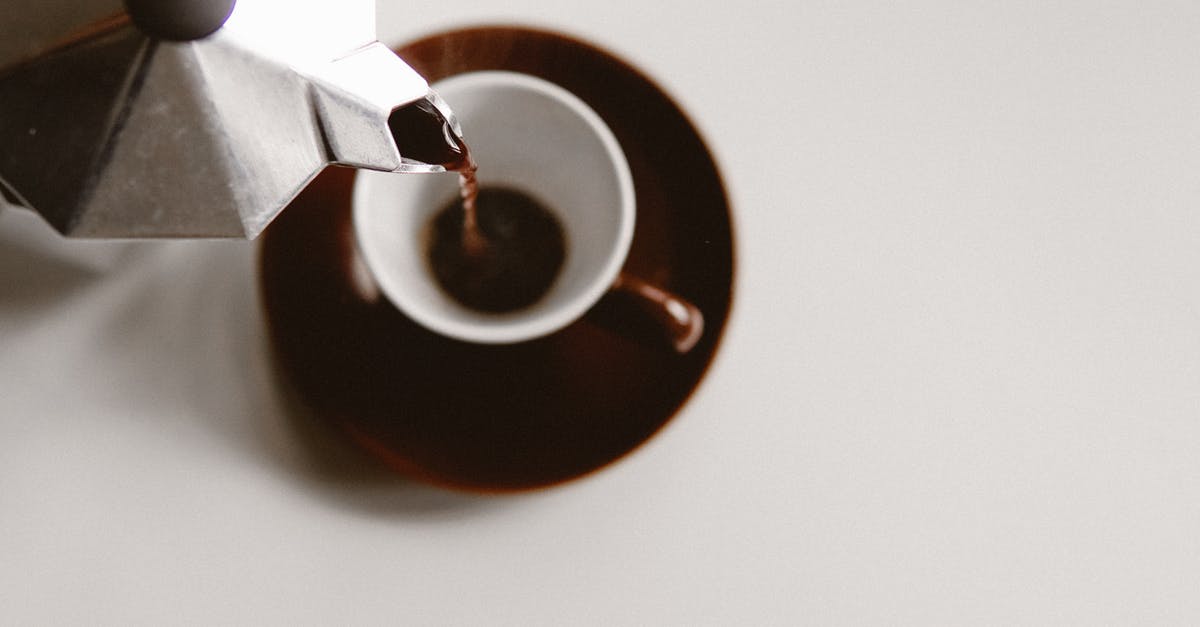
x,y
339,471
309,451
227,374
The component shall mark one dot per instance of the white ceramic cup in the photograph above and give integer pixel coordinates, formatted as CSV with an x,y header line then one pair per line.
x,y
531,135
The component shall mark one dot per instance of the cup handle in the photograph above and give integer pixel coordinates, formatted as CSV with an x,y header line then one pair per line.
x,y
675,319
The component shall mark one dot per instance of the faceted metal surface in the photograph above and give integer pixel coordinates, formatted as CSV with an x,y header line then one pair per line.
x,y
115,135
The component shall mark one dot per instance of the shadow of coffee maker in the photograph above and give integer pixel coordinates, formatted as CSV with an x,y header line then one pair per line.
x,y
40,269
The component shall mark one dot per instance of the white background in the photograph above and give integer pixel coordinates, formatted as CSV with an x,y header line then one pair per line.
x,y
961,384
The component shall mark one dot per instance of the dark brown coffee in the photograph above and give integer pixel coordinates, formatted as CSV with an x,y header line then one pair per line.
x,y
521,251
516,416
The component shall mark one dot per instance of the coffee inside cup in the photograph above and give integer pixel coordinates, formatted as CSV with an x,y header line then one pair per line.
x,y
504,257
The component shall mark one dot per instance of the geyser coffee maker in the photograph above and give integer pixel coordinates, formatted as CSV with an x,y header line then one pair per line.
x,y
194,118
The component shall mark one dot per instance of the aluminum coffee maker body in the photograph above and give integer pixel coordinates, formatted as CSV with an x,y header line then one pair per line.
x,y
196,118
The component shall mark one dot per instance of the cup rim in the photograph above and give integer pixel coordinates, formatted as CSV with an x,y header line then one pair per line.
x,y
528,324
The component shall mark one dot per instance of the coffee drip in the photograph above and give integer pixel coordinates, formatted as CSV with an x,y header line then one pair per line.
x,y
499,262
423,133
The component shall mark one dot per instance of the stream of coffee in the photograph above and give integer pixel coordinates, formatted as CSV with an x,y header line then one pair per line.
x,y
421,132
473,242
495,250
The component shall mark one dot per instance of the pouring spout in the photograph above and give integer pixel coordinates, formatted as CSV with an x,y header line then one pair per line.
x,y
354,96
428,136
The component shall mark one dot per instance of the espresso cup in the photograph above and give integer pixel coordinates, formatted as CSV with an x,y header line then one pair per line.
x,y
533,136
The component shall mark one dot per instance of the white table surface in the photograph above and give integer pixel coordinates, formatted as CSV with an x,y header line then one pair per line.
x,y
961,384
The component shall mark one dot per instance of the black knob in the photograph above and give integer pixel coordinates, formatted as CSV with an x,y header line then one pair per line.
x,y
179,20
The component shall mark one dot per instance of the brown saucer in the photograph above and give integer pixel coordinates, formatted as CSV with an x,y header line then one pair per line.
x,y
497,418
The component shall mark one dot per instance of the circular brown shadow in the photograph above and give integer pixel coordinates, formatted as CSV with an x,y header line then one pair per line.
x,y
501,418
